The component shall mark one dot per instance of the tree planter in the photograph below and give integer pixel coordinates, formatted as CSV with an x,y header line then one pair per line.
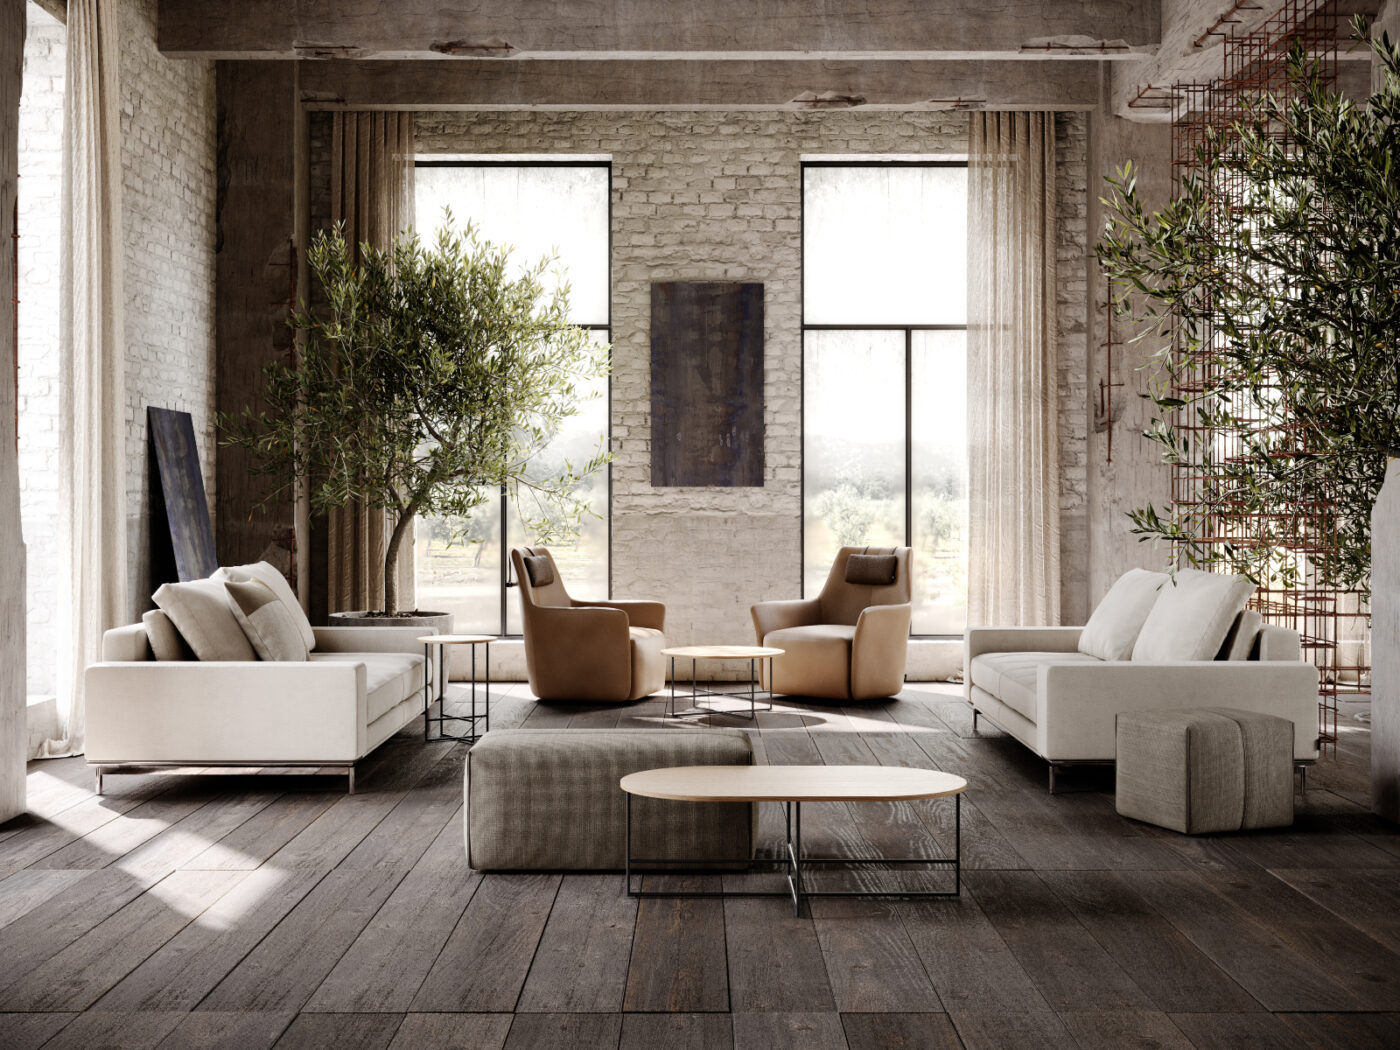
x,y
1385,647
430,622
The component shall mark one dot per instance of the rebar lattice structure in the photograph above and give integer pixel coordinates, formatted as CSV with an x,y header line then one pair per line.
x,y
1331,623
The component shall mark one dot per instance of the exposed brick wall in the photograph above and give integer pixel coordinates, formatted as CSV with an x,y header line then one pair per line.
x,y
1071,152
168,155
40,216
717,196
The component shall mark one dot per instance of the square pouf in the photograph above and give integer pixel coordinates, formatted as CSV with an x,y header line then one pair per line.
x,y
1205,769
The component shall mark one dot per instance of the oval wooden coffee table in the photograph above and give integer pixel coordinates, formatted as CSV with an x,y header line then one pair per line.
x,y
792,786
754,654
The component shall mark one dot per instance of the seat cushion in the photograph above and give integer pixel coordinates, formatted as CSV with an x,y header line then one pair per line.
x,y
1012,677
816,660
390,678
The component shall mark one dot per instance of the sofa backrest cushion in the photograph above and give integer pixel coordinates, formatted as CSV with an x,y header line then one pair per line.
x,y
1240,639
1191,617
269,574
166,642
202,613
266,621
1113,629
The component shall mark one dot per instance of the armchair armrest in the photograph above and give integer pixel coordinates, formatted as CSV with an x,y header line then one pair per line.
x,y
640,613
775,616
371,639
1081,701
979,640
578,652
880,650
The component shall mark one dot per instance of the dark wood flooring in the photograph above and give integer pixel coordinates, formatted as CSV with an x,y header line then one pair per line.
x,y
253,911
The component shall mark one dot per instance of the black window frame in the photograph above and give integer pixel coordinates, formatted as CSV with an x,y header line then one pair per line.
x,y
507,582
907,329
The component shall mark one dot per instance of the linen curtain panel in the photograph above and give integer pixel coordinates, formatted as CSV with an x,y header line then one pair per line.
x,y
372,194
1013,454
93,399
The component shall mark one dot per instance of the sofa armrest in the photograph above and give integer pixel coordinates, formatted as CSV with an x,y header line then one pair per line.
x,y
640,613
371,639
979,640
233,712
776,616
1079,702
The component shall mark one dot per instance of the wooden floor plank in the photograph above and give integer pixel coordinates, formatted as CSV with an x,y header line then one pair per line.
x,y
1271,972
900,1032
341,1031
81,973
1026,1029
448,851
116,838
452,1032
678,950
580,965
677,1031
30,1031
286,967
406,832
1368,899
47,929
335,833
383,969
870,960
182,842
484,963
789,1031
266,832
1118,1029
1173,972
564,1031
1070,969
210,1030
25,890
1233,1031
775,958
192,963
114,1031
1346,1031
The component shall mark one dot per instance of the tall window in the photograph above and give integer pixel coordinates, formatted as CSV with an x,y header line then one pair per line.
x,y
538,208
884,374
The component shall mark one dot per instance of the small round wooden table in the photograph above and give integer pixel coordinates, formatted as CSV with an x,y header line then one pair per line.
x,y
792,786
442,717
754,654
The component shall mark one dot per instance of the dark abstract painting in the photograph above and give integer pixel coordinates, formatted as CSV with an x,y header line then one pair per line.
x,y
186,550
706,383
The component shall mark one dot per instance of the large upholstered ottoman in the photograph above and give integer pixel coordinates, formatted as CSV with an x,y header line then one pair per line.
x,y
548,799
1205,769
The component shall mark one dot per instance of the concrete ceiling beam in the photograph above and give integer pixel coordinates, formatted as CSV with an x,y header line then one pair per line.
x,y
660,29
729,85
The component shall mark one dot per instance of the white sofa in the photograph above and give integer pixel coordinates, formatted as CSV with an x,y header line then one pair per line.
x,y
359,687
1035,684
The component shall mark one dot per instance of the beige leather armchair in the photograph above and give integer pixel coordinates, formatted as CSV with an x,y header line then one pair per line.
x,y
850,642
577,650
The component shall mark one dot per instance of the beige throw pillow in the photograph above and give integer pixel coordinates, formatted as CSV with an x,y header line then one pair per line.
x,y
269,574
202,613
1113,629
1191,617
266,621
166,641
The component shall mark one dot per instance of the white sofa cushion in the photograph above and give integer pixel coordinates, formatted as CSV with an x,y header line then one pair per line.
x,y
266,621
266,573
1240,639
202,613
1013,677
1191,617
1113,629
390,678
166,642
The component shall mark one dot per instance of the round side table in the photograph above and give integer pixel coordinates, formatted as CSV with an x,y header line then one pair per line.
x,y
476,720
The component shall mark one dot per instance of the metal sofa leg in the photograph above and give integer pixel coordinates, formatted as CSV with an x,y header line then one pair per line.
x,y
97,775
1052,778
974,720
350,780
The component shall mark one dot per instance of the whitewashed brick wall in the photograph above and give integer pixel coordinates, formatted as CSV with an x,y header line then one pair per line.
x,y
1072,298
717,196
168,155
40,203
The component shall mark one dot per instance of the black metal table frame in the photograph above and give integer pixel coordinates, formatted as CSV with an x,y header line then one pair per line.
x,y
696,708
442,717
793,862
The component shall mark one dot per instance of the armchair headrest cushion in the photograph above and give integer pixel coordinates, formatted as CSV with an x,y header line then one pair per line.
x,y
540,568
871,570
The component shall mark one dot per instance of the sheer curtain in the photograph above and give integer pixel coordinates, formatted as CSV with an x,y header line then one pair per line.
x,y
1013,516
93,399
372,194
